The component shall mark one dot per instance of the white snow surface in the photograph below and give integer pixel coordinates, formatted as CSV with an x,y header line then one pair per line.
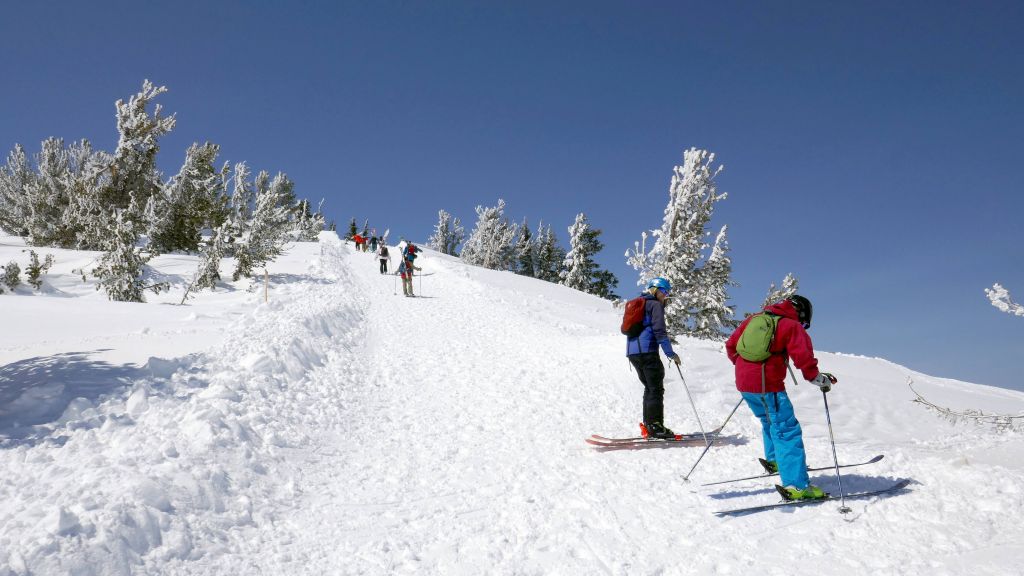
x,y
343,429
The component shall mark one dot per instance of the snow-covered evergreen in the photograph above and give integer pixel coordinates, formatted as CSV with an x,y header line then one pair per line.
x,y
681,241
189,202
549,257
134,171
120,267
579,270
524,248
268,231
713,318
790,285
211,252
448,234
490,243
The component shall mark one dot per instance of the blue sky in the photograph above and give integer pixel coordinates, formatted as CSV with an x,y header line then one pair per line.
x,y
873,149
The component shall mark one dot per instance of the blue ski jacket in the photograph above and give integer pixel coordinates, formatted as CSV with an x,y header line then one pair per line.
x,y
654,333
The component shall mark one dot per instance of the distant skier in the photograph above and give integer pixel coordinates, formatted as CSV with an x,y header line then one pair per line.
x,y
373,244
359,242
763,386
406,268
382,254
642,352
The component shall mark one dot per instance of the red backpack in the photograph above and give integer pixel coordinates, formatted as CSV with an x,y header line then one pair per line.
x,y
633,317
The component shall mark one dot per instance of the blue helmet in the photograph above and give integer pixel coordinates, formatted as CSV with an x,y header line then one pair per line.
x,y
661,284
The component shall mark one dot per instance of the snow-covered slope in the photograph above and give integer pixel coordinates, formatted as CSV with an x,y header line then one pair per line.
x,y
343,429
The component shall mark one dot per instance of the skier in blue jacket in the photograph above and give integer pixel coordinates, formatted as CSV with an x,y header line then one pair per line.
x,y
642,352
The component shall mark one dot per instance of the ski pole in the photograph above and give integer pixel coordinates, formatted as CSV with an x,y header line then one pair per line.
x,y
842,497
687,477
694,406
791,374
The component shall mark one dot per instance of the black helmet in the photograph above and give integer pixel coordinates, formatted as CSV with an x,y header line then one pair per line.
x,y
804,310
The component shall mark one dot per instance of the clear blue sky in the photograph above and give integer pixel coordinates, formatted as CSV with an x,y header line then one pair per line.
x,y
873,149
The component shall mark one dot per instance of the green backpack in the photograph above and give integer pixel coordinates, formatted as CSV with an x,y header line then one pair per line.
x,y
756,341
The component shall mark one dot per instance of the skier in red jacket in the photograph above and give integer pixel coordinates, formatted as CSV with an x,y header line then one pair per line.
x,y
763,386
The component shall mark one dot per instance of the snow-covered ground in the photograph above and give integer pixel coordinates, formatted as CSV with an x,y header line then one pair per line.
x,y
343,429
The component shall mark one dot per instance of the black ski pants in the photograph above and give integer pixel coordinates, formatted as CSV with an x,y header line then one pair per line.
x,y
652,374
383,266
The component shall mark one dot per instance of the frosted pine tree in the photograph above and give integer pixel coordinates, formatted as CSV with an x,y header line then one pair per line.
x,y
48,197
789,287
180,210
268,230
713,318
133,171
308,224
211,252
578,268
448,234
16,177
549,256
242,194
525,247
120,267
88,176
682,239
490,243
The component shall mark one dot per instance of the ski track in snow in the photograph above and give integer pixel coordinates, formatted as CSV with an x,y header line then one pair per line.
x,y
361,432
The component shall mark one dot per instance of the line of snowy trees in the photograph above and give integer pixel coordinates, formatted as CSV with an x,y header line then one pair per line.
x,y
72,196
499,244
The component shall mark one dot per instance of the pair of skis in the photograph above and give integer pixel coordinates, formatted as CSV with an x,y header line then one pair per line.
x,y
787,502
638,442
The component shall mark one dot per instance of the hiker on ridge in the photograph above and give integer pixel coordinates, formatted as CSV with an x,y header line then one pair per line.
x,y
383,256
778,334
406,268
642,351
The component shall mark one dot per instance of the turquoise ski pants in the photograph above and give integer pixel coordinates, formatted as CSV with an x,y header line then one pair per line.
x,y
783,438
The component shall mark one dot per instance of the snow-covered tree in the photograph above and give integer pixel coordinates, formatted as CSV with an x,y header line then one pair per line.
x,y
524,248
16,178
683,237
549,256
1000,298
35,269
308,224
242,194
86,215
490,243
211,252
133,171
448,234
268,230
789,287
121,266
579,270
10,277
178,212
713,319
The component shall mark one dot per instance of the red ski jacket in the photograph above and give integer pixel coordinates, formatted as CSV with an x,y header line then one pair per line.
x,y
790,340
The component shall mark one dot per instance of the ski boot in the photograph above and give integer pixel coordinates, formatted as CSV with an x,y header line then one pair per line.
x,y
812,492
770,466
658,430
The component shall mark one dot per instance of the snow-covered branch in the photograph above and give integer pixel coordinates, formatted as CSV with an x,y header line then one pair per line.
x,y
1000,298
1000,421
